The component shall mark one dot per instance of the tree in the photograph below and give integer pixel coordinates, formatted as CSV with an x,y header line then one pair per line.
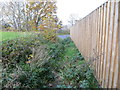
x,y
73,19
13,13
41,14
42,17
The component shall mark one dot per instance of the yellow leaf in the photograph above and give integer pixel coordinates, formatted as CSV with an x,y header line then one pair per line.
x,y
31,55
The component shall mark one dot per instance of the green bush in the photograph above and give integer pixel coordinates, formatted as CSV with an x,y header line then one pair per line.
x,y
16,51
15,54
37,77
40,72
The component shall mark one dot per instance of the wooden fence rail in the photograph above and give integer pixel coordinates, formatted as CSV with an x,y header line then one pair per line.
x,y
97,36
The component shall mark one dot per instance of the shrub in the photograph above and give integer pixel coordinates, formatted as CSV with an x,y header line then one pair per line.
x,y
33,63
16,51
50,35
25,63
38,71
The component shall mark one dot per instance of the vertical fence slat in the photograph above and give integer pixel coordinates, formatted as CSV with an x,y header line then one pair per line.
x,y
99,44
97,68
95,50
106,43
114,53
103,40
119,44
111,32
101,47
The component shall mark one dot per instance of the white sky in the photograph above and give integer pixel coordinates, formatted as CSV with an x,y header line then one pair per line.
x,y
78,7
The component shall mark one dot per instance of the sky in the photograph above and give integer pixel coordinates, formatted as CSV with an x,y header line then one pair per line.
x,y
80,8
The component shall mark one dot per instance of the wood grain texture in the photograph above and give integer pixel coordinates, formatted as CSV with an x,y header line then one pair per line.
x,y
97,36
119,45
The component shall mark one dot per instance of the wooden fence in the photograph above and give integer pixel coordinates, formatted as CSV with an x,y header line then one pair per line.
x,y
97,36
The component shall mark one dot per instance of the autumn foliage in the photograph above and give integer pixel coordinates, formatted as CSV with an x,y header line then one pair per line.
x,y
44,18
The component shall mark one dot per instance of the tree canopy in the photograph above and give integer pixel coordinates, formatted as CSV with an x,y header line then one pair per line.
x,y
31,16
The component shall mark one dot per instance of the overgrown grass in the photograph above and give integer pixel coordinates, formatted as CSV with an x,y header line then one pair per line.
x,y
71,50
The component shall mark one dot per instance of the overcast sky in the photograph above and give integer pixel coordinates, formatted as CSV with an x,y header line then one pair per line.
x,y
78,7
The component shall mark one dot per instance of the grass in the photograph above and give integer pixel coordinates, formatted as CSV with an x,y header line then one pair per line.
x,y
12,35
70,52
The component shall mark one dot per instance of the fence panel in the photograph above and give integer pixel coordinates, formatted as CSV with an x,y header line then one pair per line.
x,y
97,36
